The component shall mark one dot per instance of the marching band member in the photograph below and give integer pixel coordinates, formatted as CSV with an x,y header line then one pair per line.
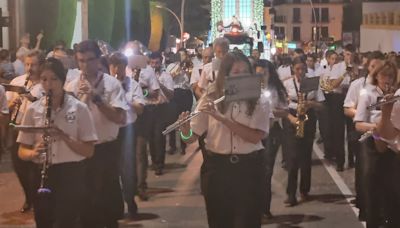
x,y
197,70
72,140
298,145
232,173
208,75
18,104
159,87
273,89
375,172
357,87
106,100
135,99
183,96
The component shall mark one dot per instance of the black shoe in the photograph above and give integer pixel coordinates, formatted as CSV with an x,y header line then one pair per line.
x,y
339,168
290,201
351,165
26,207
268,215
143,195
304,197
158,172
171,151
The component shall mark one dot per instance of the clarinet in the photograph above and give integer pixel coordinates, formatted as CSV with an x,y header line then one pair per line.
x,y
15,114
45,154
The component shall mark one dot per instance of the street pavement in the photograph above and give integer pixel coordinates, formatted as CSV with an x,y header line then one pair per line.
x,y
175,198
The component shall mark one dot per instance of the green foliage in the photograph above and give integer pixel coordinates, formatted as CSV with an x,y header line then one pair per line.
x,y
101,19
56,18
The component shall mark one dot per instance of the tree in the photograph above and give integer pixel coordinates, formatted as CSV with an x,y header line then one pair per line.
x,y
197,16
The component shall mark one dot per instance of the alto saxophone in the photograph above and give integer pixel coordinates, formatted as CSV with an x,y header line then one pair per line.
x,y
45,154
301,115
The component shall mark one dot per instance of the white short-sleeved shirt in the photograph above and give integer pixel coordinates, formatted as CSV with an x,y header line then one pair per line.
x,y
292,93
73,118
272,95
196,72
341,69
220,139
111,92
3,101
284,73
71,75
372,96
197,62
166,80
357,87
133,93
310,73
36,90
207,76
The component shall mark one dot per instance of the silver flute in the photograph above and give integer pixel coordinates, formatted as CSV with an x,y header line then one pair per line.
x,y
383,102
179,123
365,136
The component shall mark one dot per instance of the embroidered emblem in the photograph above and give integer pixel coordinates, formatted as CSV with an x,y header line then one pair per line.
x,y
70,117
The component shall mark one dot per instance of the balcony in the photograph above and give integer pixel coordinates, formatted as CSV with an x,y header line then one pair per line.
x,y
280,19
388,20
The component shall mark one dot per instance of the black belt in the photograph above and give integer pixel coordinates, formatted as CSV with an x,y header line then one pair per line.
x,y
235,158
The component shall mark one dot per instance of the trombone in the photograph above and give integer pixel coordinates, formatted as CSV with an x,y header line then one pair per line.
x,y
179,123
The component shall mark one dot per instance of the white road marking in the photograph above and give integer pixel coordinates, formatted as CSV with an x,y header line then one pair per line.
x,y
337,179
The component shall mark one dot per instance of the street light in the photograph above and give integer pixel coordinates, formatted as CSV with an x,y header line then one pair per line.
x,y
176,17
315,28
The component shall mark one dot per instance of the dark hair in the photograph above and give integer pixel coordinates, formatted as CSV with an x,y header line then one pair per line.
x,y
329,53
376,55
273,79
4,54
38,54
298,60
89,46
299,51
104,64
117,58
224,70
155,55
60,43
56,67
388,68
350,48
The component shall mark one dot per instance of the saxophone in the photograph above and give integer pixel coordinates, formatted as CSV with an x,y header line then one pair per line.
x,y
301,115
45,154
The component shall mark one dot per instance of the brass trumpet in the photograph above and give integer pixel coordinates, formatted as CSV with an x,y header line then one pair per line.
x,y
179,123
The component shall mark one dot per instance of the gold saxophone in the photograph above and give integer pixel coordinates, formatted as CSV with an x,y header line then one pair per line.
x,y
301,115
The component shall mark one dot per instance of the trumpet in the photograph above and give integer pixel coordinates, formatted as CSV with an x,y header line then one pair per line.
x,y
383,102
179,123
45,155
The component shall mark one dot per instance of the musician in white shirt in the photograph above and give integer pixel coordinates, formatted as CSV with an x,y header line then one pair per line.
x,y
232,172
105,98
72,140
377,176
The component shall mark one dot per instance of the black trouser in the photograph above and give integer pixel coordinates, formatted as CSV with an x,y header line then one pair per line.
x,y
323,124
126,137
62,207
24,171
103,203
299,152
149,127
271,144
380,180
353,147
183,100
335,140
233,191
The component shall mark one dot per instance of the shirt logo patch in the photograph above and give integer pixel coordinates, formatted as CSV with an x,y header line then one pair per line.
x,y
70,117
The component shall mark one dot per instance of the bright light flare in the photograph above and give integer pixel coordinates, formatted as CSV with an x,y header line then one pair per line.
x,y
273,50
128,52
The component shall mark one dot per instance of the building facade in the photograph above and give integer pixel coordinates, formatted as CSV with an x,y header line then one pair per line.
x,y
380,29
302,21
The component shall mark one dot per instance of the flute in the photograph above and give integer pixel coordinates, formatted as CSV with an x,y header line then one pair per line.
x,y
383,102
179,123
